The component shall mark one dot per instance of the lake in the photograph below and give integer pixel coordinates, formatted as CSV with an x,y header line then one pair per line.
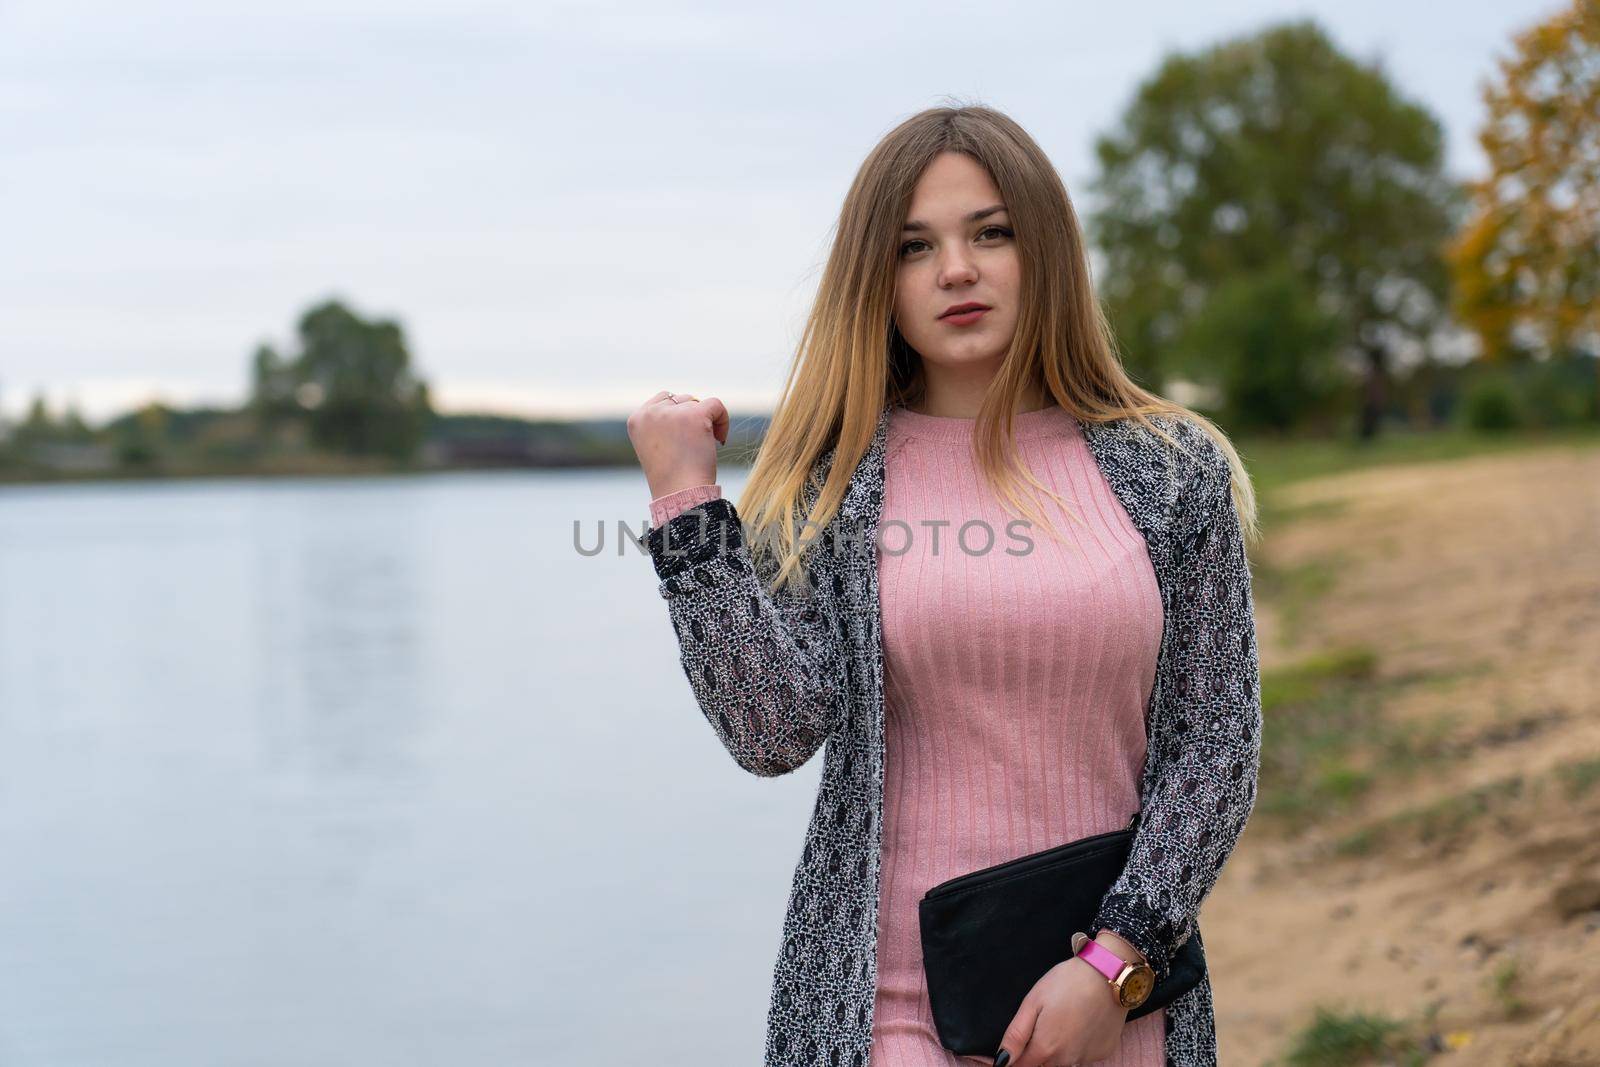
x,y
367,771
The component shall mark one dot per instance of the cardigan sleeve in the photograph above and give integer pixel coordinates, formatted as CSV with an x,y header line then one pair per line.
x,y
766,668
1207,724
668,506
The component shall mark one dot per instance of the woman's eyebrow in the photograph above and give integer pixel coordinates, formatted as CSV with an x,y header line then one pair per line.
x,y
918,224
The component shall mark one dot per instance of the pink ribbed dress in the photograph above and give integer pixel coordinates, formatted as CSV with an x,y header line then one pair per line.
x,y
1015,686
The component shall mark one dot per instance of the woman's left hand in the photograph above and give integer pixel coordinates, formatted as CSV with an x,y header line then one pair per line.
x,y
1070,1016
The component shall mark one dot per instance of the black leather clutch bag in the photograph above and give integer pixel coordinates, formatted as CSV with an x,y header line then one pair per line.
x,y
989,935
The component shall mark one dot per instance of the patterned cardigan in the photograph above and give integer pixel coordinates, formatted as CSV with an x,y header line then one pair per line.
x,y
778,676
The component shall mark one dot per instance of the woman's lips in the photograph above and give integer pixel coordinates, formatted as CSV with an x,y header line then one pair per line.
x,y
965,318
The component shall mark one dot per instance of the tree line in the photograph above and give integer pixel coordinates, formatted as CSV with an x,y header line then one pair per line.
x,y
1275,221
1272,222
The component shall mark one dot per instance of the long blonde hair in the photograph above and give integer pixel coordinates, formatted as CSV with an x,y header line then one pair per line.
x,y
852,360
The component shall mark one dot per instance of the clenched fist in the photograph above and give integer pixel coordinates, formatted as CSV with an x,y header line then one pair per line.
x,y
676,438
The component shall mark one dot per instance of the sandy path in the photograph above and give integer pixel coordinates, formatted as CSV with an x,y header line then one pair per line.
x,y
1488,568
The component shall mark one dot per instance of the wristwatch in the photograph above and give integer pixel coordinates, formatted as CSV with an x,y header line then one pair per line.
x,y
1131,982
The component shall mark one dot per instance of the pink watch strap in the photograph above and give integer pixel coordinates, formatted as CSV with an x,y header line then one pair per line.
x,y
1102,959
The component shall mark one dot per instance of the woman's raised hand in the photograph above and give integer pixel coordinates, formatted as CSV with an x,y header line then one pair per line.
x,y
675,437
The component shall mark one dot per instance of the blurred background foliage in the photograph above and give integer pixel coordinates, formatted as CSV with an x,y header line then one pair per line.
x,y
1278,246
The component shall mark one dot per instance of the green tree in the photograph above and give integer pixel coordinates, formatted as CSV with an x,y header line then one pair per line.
x,y
143,437
272,386
1269,153
1270,346
38,427
351,382
73,426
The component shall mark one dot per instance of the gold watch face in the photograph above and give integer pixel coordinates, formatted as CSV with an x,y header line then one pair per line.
x,y
1137,985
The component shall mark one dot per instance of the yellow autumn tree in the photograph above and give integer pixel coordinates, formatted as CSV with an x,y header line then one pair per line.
x,y
1526,266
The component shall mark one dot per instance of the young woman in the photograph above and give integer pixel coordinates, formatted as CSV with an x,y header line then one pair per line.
x,y
993,671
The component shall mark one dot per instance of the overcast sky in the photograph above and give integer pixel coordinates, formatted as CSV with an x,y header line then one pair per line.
x,y
567,205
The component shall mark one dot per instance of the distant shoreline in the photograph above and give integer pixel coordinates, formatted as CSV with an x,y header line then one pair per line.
x,y
321,470
1267,459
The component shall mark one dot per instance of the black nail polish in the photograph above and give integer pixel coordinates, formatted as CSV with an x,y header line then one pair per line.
x,y
1002,1058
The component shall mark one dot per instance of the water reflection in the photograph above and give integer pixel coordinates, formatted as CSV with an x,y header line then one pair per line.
x,y
365,771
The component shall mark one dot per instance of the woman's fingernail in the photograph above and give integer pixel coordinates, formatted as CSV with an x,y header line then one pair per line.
x,y
1002,1058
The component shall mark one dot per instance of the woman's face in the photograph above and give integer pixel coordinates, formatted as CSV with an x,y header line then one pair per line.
x,y
957,248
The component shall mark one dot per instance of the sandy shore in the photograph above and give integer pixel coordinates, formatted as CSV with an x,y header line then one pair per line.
x,y
1476,583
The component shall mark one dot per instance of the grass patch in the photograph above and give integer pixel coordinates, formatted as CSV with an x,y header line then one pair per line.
x,y
1504,986
1408,747
1317,713
1275,515
1295,591
1326,744
1359,842
1452,818
1579,776
1445,820
1310,678
1342,1038
1273,463
1445,678
1344,783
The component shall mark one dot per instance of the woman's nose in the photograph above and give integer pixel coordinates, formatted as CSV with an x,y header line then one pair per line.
x,y
958,268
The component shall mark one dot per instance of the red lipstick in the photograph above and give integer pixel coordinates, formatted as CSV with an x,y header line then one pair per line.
x,y
963,314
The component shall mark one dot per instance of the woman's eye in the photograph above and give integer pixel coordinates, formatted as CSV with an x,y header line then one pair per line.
x,y
906,249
